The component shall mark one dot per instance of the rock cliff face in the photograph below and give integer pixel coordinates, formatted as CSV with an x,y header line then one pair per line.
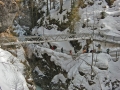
x,y
8,9
23,18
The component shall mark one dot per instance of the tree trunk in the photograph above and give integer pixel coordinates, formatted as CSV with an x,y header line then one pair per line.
x,y
54,4
47,8
50,4
61,4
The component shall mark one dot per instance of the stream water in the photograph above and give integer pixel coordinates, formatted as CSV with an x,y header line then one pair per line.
x,y
38,88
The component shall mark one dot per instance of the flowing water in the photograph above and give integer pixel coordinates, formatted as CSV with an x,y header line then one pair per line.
x,y
38,88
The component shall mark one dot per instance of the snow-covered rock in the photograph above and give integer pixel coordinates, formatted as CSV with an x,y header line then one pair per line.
x,y
58,77
11,72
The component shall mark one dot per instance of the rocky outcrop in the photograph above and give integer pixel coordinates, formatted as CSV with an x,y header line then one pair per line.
x,y
8,9
26,17
23,18
13,12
